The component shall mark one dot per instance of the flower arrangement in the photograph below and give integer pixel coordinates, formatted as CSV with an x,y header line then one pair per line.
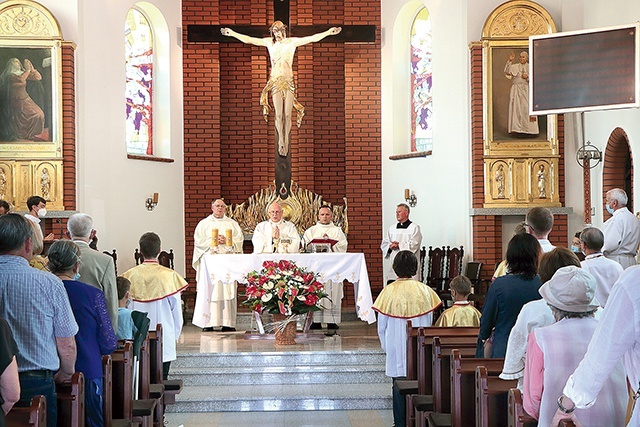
x,y
281,287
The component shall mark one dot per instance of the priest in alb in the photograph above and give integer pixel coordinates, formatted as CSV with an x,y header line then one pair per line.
x,y
216,303
404,236
276,234
325,229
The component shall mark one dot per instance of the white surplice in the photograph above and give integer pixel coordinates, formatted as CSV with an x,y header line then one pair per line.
x,y
621,237
606,272
263,238
409,239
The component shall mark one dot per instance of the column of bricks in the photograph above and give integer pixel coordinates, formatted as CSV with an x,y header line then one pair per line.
x,y
68,129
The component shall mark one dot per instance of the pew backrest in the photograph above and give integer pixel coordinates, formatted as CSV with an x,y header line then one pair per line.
x,y
462,377
122,376
441,370
491,399
70,396
107,390
34,416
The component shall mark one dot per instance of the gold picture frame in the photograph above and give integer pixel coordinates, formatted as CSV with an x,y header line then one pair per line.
x,y
30,82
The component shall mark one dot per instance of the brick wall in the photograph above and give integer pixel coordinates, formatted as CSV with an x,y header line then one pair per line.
x,y
229,149
487,230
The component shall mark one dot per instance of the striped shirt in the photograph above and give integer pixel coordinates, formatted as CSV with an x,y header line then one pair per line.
x,y
36,306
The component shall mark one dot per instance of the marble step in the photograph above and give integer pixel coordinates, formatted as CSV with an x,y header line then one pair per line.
x,y
288,358
265,375
289,397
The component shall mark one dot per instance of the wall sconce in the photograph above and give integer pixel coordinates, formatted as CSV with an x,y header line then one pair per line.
x,y
151,203
411,199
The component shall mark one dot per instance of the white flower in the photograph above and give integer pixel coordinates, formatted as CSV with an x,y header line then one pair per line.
x,y
268,285
301,298
266,297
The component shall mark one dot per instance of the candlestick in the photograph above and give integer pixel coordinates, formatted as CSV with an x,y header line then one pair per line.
x,y
155,198
214,237
406,193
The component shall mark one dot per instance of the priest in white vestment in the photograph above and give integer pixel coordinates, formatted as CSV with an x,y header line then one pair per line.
x,y
216,301
276,234
605,270
326,229
404,236
621,231
156,290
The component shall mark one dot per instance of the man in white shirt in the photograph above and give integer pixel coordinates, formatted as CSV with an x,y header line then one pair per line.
x,y
276,234
404,236
539,223
326,229
216,306
606,271
621,231
38,209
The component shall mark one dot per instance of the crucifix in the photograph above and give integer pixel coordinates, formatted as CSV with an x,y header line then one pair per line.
x,y
281,83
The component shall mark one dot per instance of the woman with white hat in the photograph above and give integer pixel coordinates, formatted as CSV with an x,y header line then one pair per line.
x,y
554,351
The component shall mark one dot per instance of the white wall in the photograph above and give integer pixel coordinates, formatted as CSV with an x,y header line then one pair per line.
x,y
442,181
112,188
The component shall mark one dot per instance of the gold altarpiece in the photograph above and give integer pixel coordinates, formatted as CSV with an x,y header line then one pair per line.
x,y
30,162
521,166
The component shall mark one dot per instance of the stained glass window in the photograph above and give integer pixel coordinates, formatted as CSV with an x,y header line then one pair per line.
x,y
139,83
421,83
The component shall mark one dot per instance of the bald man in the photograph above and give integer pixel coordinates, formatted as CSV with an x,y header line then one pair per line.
x,y
275,234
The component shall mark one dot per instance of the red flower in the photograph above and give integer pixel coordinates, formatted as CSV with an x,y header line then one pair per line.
x,y
282,308
311,299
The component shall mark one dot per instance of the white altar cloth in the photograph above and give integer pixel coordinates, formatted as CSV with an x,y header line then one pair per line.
x,y
227,269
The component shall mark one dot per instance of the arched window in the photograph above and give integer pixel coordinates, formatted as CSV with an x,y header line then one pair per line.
x,y
139,56
421,83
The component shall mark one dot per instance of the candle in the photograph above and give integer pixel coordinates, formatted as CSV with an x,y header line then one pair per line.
x,y
406,193
214,237
228,237
155,198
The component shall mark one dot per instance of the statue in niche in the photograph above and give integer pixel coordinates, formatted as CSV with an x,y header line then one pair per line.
x,y
45,183
500,181
281,85
542,182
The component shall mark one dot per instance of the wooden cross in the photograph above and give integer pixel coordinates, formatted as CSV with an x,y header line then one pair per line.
x,y
281,11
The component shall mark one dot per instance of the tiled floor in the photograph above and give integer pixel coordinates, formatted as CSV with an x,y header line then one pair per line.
x,y
352,335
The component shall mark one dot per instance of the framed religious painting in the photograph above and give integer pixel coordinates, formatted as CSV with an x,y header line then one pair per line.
x,y
509,124
30,107
30,81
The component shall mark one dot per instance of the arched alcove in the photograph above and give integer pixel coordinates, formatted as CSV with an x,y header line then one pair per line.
x,y
618,168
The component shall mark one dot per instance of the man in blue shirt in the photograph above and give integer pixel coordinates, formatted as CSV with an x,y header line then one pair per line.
x,y
36,306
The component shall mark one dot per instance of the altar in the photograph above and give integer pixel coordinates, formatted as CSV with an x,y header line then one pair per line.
x,y
220,273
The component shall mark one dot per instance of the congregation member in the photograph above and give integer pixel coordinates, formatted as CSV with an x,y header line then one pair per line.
x,y
507,295
606,271
96,337
155,290
36,306
96,269
276,234
501,269
554,352
404,299
576,245
9,379
37,207
5,208
621,231
326,229
534,314
539,223
37,246
222,300
403,236
616,338
126,327
462,313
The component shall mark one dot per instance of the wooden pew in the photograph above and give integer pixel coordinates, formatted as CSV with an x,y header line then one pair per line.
x,y
156,388
144,407
462,379
70,395
35,415
517,415
424,368
409,386
107,398
171,387
492,399
438,362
